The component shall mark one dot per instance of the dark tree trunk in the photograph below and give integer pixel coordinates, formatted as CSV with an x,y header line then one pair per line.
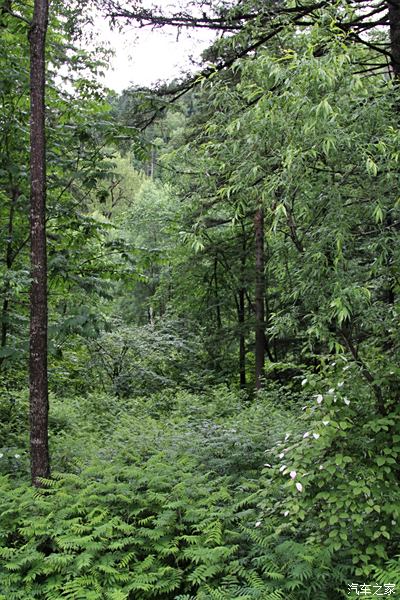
x,y
242,341
39,404
242,311
394,24
259,296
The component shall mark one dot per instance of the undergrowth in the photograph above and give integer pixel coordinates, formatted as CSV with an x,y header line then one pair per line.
x,y
182,496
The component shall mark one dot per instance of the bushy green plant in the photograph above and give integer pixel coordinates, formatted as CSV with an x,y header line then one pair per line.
x,y
331,488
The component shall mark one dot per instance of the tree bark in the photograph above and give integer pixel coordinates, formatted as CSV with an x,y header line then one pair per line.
x,y
38,384
394,25
242,311
394,28
259,297
242,342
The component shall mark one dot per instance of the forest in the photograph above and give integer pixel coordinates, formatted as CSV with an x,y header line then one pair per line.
x,y
200,305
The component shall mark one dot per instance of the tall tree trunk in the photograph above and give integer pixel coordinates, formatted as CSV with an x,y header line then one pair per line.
x,y
259,296
38,387
242,311
242,341
394,25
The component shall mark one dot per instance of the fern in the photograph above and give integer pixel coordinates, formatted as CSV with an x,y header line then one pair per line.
x,y
390,573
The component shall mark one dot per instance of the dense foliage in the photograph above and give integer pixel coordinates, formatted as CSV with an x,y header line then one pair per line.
x,y
272,183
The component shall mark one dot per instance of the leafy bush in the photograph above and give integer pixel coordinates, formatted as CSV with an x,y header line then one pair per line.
x,y
331,487
134,361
